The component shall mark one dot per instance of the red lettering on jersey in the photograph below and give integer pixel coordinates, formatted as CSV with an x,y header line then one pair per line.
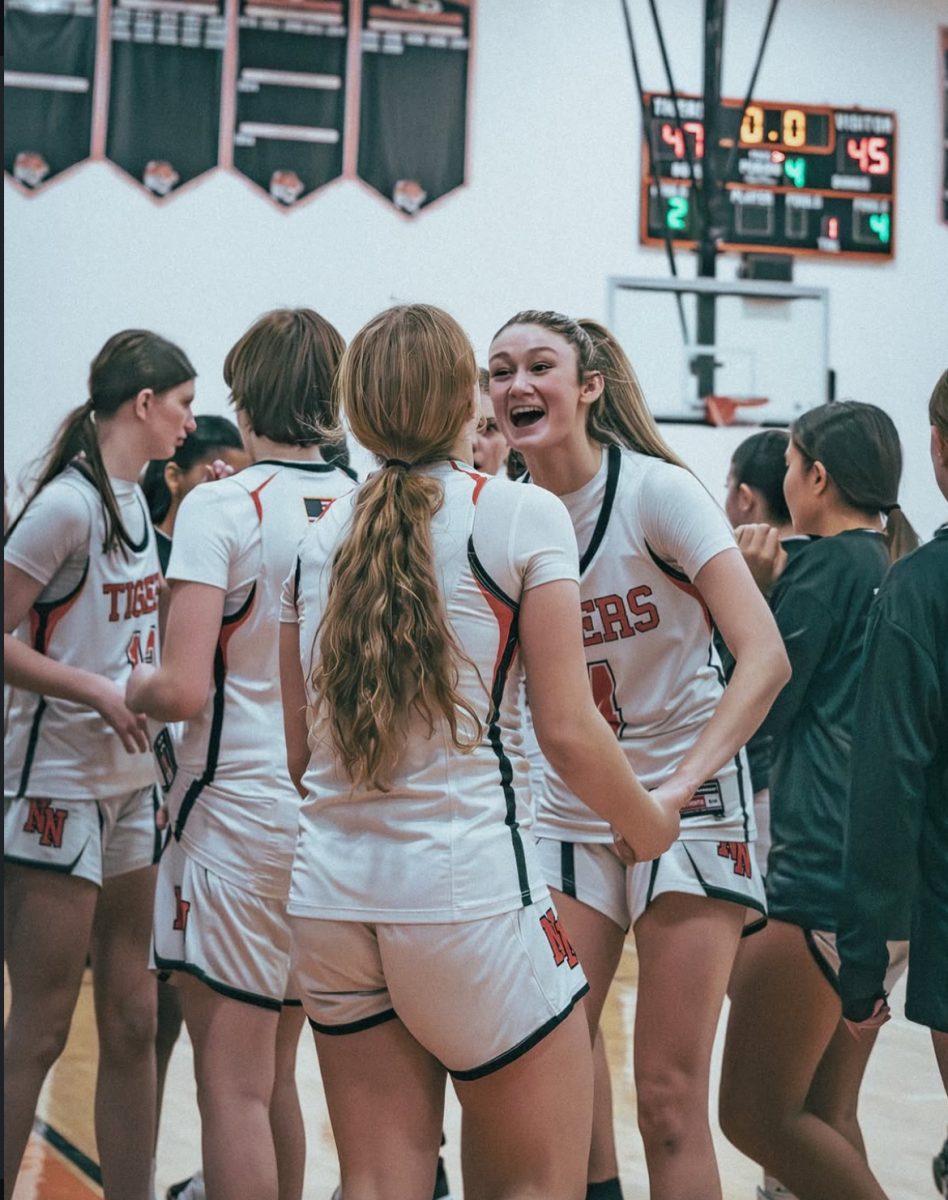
x,y
112,590
612,614
141,597
740,853
559,942
182,908
638,609
590,637
134,652
47,822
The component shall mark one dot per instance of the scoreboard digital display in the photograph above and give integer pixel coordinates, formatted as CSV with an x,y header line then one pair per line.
x,y
804,179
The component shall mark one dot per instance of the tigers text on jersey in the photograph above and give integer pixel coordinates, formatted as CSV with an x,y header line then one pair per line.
x,y
97,612
645,529
445,842
233,806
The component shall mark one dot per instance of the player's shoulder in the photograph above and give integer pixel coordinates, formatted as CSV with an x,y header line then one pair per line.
x,y
520,498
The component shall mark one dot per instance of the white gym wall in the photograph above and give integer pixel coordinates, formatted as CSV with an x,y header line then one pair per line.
x,y
551,210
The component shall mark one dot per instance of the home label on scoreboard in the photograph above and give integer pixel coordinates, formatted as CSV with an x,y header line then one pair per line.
x,y
804,179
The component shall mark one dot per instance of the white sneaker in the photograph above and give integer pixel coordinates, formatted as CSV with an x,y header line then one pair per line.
x,y
188,1189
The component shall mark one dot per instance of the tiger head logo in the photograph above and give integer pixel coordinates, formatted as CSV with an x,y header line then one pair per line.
x,y
286,186
30,168
160,176
409,196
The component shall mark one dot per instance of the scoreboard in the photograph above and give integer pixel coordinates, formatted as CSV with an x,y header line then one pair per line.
x,y
803,179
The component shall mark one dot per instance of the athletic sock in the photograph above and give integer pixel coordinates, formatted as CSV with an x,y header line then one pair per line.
x,y
607,1189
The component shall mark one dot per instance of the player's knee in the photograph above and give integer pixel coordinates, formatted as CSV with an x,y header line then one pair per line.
x,y
668,1104
41,1043
127,1028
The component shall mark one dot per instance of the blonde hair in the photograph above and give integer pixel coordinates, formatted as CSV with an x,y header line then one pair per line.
x,y
386,652
620,415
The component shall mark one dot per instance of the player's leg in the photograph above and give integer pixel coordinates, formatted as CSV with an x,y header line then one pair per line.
x,y
783,1015
834,1092
598,941
234,1061
286,1117
47,926
385,1096
527,1126
126,1004
169,1028
686,946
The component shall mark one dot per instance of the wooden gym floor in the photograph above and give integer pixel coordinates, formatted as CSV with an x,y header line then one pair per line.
x,y
903,1114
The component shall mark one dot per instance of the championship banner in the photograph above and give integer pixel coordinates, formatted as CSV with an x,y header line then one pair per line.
x,y
414,99
49,66
290,109
165,90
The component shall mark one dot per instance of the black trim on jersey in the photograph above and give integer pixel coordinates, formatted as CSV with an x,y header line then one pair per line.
x,y
217,723
317,468
296,579
740,790
753,927
31,748
521,1048
493,729
568,868
612,482
172,964
44,610
389,1014
156,801
716,666
825,969
123,534
667,568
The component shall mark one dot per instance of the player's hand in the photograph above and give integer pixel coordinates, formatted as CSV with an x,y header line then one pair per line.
x,y
217,469
876,1017
648,844
763,553
131,727
162,819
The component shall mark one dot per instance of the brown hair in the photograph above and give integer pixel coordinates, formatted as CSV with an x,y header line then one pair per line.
x,y
128,362
386,651
620,414
938,405
281,375
859,446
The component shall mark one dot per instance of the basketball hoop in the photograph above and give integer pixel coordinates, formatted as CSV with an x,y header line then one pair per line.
x,y
721,410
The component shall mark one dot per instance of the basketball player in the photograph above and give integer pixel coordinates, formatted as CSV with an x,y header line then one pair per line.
x,y
900,751
489,444
81,580
220,913
423,933
214,450
843,468
658,563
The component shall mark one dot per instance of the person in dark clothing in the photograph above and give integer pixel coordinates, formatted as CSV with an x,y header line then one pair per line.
x,y
212,451
843,469
895,860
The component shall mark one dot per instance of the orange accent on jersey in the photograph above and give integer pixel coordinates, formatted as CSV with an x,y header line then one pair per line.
x,y
690,590
182,908
255,495
54,615
479,480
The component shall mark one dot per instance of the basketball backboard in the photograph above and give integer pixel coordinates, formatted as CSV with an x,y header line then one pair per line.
x,y
769,353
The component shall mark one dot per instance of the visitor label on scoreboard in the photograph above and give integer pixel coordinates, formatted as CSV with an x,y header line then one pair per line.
x,y
801,179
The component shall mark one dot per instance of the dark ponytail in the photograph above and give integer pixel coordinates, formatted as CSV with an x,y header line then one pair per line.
x,y
859,446
128,362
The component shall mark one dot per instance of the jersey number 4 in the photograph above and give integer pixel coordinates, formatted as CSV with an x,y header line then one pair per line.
x,y
603,684
137,653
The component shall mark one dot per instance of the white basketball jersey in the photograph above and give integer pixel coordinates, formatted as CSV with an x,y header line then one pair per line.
x,y
445,843
645,529
107,623
233,805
